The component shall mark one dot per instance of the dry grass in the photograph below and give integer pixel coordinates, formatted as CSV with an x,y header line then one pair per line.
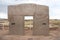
x,y
54,35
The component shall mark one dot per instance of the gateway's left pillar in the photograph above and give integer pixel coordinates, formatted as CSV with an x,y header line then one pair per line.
x,y
15,22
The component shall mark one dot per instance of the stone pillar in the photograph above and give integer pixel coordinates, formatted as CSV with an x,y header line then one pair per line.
x,y
17,25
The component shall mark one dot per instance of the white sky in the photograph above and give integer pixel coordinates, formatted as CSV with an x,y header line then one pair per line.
x,y
54,6
28,17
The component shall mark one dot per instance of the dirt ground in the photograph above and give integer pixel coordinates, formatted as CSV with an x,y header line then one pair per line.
x,y
54,35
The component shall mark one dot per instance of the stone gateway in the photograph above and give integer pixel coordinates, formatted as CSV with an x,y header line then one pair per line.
x,y
40,15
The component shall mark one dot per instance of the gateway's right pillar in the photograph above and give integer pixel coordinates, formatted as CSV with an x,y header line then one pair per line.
x,y
41,21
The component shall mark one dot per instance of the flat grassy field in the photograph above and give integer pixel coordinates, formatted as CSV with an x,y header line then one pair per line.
x,y
54,32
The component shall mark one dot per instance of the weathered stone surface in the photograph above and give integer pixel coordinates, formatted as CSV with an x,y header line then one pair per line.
x,y
40,21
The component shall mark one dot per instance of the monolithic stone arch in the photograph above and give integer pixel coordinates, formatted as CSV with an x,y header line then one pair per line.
x,y
40,13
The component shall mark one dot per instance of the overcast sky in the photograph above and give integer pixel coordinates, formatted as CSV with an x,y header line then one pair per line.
x,y
54,6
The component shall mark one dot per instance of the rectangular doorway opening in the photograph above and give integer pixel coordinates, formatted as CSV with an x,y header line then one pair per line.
x,y
28,25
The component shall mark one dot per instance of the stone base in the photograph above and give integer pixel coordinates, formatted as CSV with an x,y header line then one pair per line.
x,y
15,37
